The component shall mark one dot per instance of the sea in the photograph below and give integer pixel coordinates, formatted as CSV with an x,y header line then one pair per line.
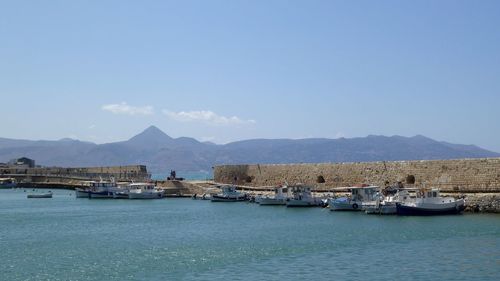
x,y
65,238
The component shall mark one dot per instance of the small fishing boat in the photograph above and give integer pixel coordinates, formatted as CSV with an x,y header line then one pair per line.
x,y
40,195
229,194
386,205
144,191
302,197
278,199
359,194
7,183
428,202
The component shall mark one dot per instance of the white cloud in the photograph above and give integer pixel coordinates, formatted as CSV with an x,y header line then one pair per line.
x,y
206,116
92,126
124,108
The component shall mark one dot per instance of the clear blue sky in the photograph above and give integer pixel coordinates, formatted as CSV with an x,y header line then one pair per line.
x,y
229,70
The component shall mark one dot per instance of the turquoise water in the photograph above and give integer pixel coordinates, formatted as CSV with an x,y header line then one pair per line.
x,y
65,238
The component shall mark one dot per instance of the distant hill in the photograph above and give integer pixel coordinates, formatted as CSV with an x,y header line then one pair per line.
x,y
161,152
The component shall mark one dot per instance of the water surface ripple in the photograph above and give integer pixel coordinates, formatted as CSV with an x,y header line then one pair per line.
x,y
65,238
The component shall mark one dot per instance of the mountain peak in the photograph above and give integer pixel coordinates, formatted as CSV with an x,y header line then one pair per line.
x,y
153,130
151,136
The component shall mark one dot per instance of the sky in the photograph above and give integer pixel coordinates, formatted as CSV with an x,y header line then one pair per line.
x,y
222,71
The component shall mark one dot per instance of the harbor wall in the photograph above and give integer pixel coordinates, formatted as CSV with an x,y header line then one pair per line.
x,y
120,173
462,175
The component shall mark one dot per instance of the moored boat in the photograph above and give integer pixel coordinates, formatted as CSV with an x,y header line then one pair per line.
x,y
302,197
97,190
144,191
82,193
429,202
359,195
229,194
386,204
40,195
8,183
279,198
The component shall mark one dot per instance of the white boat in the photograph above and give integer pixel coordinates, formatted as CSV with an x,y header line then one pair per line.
x,y
359,194
429,202
40,195
229,194
302,197
144,191
278,199
386,205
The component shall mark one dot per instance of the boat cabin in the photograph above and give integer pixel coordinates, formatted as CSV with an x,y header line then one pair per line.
x,y
98,184
142,186
228,189
428,193
364,193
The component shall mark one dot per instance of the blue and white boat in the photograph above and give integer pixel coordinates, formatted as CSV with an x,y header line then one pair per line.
x,y
359,195
7,183
428,202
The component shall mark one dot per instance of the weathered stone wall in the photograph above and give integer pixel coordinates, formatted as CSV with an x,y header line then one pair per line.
x,y
131,172
463,175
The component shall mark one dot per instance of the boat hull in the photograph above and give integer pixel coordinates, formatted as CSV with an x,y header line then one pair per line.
x,y
271,201
80,193
7,185
47,195
143,195
100,195
217,198
345,205
120,195
404,210
381,210
292,203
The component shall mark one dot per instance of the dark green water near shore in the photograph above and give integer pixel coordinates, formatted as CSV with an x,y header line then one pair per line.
x,y
65,238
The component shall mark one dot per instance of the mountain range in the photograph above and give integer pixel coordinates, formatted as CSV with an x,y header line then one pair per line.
x,y
161,152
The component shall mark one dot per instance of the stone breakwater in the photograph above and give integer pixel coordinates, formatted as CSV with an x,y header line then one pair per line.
x,y
482,203
454,176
